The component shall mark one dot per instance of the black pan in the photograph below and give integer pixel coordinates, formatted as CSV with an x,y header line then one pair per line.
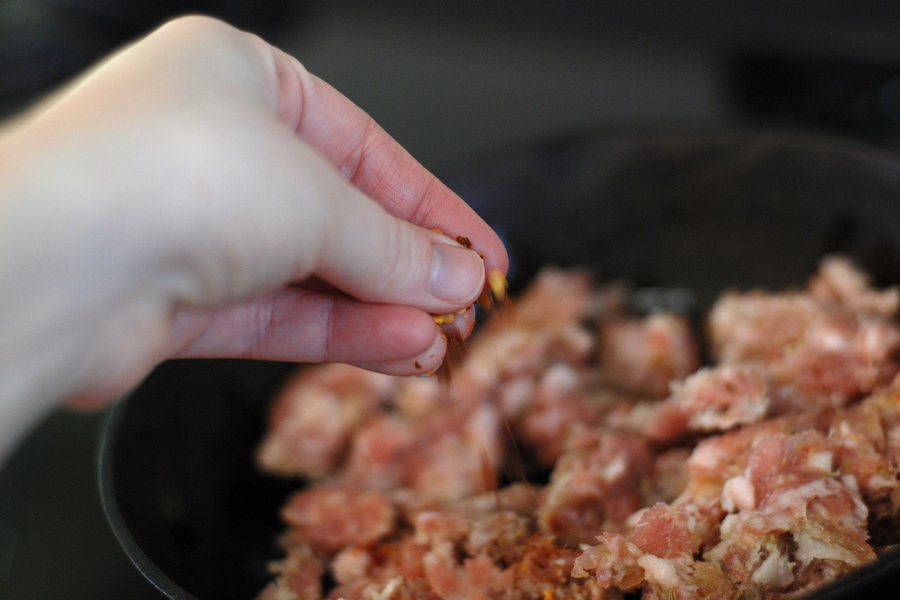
x,y
700,211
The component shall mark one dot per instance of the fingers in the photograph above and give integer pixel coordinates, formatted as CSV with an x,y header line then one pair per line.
x,y
306,220
305,326
370,159
222,202
377,257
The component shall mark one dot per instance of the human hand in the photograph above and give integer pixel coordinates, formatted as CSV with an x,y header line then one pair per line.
x,y
201,194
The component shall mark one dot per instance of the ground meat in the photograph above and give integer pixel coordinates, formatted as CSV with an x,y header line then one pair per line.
x,y
839,281
449,455
299,574
330,518
315,417
711,399
583,451
595,489
645,355
826,347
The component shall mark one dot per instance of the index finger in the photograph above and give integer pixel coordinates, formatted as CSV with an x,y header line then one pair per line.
x,y
372,160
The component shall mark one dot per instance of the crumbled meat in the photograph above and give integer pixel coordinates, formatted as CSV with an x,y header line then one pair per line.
x,y
315,417
645,355
329,518
298,575
582,451
818,348
710,400
595,489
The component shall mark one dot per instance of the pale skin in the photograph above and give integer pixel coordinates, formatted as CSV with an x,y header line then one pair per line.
x,y
200,194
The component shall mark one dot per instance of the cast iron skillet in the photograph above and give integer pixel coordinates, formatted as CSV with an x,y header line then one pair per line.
x,y
699,211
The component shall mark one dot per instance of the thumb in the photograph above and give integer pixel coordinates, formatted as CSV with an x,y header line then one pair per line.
x,y
377,257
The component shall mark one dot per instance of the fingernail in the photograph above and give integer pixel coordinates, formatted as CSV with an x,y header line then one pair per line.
x,y
457,274
426,360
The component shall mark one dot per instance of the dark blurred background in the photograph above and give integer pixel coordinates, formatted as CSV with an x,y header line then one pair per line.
x,y
454,82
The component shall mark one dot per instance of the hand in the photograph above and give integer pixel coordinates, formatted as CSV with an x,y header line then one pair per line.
x,y
201,194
